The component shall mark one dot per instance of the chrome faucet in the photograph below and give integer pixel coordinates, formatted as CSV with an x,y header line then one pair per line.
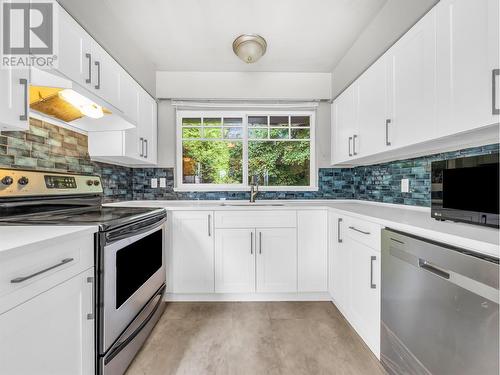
x,y
254,190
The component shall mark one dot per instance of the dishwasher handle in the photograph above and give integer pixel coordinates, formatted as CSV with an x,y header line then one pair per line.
x,y
433,269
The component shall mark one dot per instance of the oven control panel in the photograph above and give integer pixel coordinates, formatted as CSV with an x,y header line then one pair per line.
x,y
20,183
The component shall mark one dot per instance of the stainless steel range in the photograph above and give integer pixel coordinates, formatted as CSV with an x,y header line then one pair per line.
x,y
129,253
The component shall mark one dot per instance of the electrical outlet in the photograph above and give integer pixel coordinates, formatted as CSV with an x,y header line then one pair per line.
x,y
154,183
405,185
163,182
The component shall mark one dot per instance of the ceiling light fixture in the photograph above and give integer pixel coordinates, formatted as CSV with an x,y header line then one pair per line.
x,y
249,47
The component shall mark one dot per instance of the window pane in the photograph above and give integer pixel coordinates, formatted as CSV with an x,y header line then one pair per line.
x,y
212,133
278,121
300,121
258,133
191,121
257,120
191,132
233,133
233,121
300,133
280,163
212,162
278,133
212,121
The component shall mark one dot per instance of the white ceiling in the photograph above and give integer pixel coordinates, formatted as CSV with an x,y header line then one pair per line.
x,y
197,35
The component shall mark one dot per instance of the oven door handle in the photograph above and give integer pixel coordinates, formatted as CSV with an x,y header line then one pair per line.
x,y
134,229
122,342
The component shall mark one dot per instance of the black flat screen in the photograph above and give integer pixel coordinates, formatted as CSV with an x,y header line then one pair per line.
x,y
471,189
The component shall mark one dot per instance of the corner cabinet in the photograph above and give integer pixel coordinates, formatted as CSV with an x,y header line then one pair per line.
x,y
438,80
355,270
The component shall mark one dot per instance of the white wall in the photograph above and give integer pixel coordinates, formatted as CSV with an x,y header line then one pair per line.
x,y
393,20
166,134
243,85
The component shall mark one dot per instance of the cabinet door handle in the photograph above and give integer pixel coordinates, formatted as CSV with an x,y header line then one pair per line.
x,y
145,148
494,73
24,116
91,315
209,225
89,56
260,242
354,144
98,64
142,147
350,139
387,122
24,278
339,221
359,230
372,259
251,243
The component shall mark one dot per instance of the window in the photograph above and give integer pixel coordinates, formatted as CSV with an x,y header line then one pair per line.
x,y
230,150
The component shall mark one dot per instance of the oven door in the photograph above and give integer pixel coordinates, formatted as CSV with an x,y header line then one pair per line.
x,y
133,269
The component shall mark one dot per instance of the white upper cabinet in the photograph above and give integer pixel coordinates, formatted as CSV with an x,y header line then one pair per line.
x,y
129,97
412,84
75,50
467,45
14,99
147,127
375,128
106,76
344,113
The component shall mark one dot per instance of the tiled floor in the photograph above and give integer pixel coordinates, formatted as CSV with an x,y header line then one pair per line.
x,y
254,338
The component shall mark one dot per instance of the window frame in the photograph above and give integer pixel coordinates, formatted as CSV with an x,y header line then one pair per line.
x,y
244,114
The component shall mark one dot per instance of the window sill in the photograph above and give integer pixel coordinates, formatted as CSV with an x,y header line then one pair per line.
x,y
197,188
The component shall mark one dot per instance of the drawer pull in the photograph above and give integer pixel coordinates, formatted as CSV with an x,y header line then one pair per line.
x,y
91,315
24,278
359,230
372,259
339,238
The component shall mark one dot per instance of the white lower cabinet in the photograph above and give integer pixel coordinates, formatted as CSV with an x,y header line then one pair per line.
x,y
355,276
276,260
235,260
52,333
192,252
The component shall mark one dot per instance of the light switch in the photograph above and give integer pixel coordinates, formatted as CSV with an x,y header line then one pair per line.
x,y
405,185
154,183
163,182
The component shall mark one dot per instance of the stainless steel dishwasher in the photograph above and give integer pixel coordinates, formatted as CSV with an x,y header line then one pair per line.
x,y
439,308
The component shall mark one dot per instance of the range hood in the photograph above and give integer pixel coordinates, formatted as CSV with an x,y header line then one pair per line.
x,y
52,96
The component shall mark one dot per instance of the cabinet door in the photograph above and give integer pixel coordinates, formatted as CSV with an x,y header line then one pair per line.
x,y
147,127
193,252
344,125
467,47
106,76
75,58
340,279
14,99
235,260
51,334
412,83
364,312
276,260
312,249
373,123
129,97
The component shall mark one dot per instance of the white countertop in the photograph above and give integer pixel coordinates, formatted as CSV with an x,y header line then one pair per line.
x,y
14,237
413,220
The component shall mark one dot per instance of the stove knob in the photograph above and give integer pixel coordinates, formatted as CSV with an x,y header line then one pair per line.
x,y
96,182
7,180
23,181
89,182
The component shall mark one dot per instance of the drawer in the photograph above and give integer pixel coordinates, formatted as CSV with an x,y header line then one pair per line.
x,y
366,232
256,219
26,273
